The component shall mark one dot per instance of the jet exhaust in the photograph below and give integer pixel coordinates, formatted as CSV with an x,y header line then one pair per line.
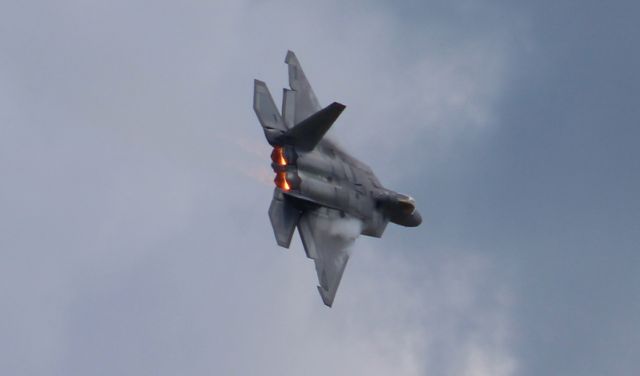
x,y
278,157
281,181
283,164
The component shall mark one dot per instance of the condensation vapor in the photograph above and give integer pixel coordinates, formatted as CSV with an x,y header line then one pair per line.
x,y
345,228
338,235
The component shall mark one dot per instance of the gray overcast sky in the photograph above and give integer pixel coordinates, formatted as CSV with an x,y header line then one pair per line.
x,y
135,181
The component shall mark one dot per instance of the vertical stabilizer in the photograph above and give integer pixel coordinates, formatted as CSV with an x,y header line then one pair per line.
x,y
306,102
289,107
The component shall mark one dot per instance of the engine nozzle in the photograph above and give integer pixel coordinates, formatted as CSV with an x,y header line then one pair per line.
x,y
283,159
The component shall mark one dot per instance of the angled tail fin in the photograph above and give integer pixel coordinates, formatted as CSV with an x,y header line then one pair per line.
x,y
267,112
306,102
289,107
303,122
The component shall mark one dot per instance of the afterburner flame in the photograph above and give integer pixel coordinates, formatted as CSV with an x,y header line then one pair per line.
x,y
281,181
277,156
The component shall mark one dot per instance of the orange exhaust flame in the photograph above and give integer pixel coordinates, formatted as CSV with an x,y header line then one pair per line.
x,y
277,156
281,181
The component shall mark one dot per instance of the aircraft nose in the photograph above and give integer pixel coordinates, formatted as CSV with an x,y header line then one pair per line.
x,y
416,219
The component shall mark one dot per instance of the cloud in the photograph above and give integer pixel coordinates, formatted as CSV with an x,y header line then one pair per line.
x,y
138,240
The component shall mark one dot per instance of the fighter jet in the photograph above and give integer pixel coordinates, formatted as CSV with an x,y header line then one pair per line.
x,y
319,188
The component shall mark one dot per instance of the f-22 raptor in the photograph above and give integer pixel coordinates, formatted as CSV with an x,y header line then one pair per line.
x,y
318,185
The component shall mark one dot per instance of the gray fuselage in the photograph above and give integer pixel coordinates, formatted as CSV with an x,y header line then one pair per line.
x,y
328,176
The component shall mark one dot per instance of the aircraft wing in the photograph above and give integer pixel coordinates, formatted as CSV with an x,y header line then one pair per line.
x,y
300,101
323,242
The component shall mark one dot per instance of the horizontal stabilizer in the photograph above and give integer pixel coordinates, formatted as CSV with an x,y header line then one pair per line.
x,y
267,112
310,131
284,218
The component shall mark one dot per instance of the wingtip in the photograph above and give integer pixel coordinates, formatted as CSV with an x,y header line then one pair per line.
x,y
325,299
